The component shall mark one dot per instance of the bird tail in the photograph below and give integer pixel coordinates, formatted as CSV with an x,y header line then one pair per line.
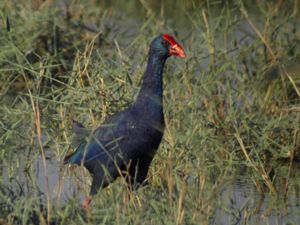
x,y
75,157
67,158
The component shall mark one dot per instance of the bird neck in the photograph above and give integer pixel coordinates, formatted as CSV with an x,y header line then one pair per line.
x,y
152,86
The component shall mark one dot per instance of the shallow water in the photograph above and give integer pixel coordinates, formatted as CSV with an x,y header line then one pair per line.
x,y
238,201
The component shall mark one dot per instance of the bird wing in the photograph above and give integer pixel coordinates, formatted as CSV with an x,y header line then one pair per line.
x,y
102,144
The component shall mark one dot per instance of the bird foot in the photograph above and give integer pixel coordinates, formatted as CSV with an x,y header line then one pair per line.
x,y
86,203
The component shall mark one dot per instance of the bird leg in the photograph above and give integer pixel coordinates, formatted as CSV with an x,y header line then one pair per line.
x,y
100,180
138,171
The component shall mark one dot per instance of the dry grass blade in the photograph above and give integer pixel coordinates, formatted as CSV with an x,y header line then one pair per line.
x,y
259,169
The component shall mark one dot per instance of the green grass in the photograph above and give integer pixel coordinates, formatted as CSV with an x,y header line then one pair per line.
x,y
231,108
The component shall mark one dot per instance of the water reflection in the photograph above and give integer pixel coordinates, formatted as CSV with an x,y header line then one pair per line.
x,y
55,182
248,201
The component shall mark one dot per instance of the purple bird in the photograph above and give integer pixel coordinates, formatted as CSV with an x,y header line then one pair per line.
x,y
127,141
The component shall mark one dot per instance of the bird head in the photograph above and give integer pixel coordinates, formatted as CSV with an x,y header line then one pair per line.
x,y
166,46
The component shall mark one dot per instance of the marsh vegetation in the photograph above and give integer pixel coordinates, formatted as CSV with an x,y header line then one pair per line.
x,y
230,152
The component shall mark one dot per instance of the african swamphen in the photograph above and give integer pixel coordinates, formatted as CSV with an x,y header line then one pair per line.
x,y
127,141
